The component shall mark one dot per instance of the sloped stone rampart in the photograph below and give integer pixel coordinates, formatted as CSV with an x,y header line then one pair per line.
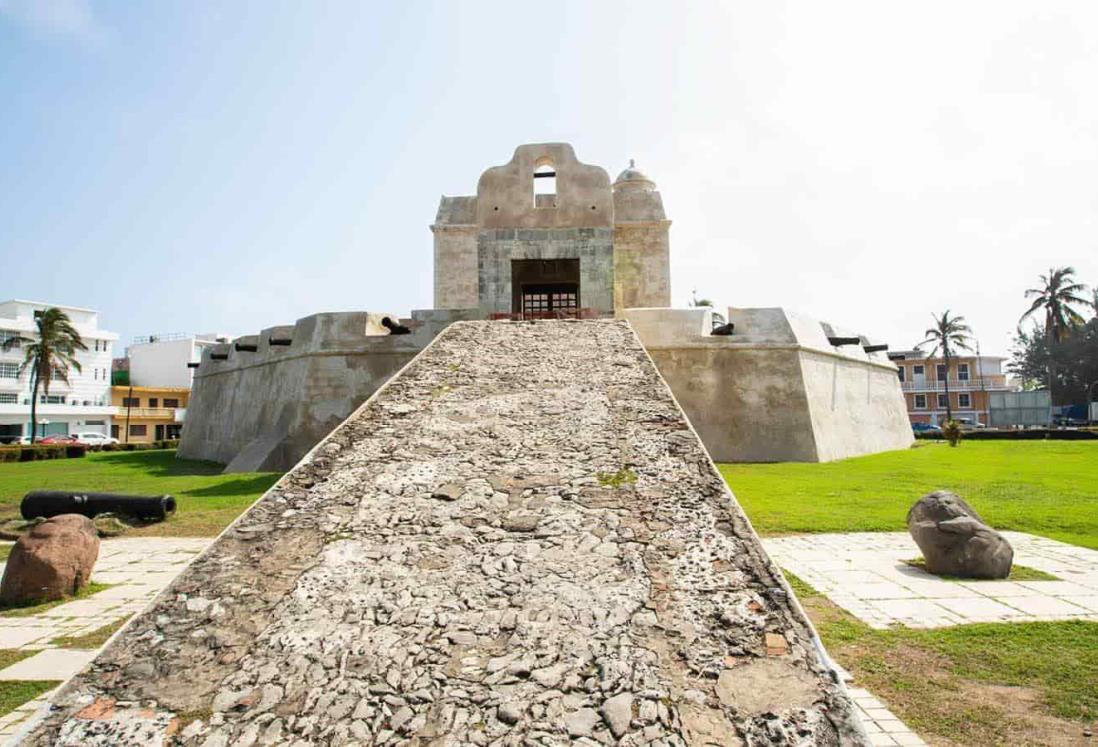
x,y
518,540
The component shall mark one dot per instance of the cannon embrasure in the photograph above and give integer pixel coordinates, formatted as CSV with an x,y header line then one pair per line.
x,y
47,503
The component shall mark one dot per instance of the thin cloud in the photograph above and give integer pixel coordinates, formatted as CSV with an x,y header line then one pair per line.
x,y
71,19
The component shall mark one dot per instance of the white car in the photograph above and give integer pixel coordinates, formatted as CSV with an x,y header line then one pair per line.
x,y
94,439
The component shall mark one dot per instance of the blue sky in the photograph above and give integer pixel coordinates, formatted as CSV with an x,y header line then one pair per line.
x,y
225,167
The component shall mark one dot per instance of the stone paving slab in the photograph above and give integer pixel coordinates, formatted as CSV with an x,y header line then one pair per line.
x,y
883,728
865,574
52,664
519,540
135,565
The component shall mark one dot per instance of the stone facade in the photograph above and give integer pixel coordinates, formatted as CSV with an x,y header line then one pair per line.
x,y
777,390
618,233
518,540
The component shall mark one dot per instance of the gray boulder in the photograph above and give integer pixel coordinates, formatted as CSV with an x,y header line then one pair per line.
x,y
954,539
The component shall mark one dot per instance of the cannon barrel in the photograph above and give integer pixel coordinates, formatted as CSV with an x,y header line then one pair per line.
x,y
47,503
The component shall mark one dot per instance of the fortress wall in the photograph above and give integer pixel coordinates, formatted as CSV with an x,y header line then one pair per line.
x,y
775,390
264,410
746,405
856,408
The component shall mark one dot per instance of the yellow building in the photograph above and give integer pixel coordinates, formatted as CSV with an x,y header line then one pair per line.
x,y
148,413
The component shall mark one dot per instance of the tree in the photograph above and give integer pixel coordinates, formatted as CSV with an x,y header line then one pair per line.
x,y
1059,294
949,334
1073,362
50,356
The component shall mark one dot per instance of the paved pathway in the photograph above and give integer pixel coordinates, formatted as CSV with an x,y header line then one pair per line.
x,y
136,568
865,574
884,729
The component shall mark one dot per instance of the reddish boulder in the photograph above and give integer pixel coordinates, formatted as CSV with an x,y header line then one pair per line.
x,y
51,561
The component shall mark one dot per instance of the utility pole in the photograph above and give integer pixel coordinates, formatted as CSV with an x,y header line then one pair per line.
x,y
129,406
983,384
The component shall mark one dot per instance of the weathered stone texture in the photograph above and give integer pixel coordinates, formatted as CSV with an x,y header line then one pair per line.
x,y
955,541
593,247
642,265
519,540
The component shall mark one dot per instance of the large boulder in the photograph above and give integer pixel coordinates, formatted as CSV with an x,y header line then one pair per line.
x,y
954,539
51,561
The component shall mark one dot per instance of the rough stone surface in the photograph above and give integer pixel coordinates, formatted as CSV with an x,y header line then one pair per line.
x,y
51,561
955,541
353,604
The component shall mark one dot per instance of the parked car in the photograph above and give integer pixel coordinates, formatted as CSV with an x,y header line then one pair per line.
x,y
968,424
15,440
926,428
93,438
58,439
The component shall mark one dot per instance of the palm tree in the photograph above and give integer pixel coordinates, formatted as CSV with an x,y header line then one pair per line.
x,y
1059,293
50,356
949,334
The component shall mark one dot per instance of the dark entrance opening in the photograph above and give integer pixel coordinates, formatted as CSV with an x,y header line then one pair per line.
x,y
545,287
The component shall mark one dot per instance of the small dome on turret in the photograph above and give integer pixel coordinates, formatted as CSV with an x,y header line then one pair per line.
x,y
633,179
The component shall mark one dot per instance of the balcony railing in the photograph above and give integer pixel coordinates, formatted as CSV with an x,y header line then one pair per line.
x,y
157,413
956,385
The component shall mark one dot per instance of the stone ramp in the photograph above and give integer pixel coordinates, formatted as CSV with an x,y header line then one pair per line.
x,y
518,540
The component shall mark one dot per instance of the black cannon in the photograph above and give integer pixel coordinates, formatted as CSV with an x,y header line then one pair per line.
x,y
47,503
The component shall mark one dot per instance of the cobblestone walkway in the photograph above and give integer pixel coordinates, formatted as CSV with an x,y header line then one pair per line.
x,y
518,541
137,570
865,574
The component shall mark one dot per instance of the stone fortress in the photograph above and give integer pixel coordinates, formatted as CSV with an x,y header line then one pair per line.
x,y
499,526
546,236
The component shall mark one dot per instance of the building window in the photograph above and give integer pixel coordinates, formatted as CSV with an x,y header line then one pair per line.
x,y
964,400
139,430
962,371
171,403
943,400
900,372
7,398
154,402
10,334
131,402
9,370
920,401
940,371
918,370
51,399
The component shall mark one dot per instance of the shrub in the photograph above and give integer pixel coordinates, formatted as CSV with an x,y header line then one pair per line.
x,y
75,451
952,432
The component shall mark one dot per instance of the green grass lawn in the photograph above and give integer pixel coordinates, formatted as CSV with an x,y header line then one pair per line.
x,y
1048,488
1009,683
206,500
1002,683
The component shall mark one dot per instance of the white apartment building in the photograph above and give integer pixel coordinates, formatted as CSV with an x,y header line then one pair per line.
x,y
84,404
161,360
